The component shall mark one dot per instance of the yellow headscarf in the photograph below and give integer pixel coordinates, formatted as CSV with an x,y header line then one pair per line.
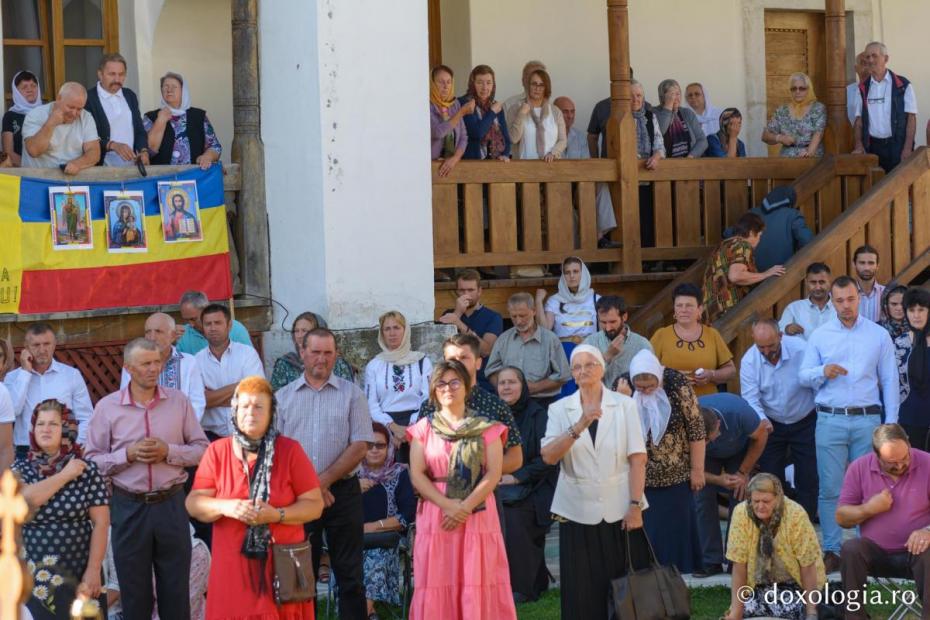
x,y
434,97
797,108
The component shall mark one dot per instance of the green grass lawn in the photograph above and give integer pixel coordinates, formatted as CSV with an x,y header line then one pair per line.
x,y
706,604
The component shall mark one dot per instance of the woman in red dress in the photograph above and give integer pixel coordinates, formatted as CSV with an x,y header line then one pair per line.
x,y
459,557
279,495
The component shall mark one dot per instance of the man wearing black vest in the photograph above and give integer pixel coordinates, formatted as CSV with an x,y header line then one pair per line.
x,y
886,111
116,111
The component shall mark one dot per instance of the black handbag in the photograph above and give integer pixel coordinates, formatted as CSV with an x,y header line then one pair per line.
x,y
653,593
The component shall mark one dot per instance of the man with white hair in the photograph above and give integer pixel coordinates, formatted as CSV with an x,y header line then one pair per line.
x,y
61,133
886,111
178,370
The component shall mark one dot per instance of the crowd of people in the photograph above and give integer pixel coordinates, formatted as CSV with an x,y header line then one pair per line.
x,y
170,494
102,124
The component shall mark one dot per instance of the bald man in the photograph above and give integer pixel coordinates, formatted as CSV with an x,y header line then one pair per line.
x,y
578,149
61,134
178,370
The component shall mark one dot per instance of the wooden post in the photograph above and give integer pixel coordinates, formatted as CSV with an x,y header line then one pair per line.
x,y
835,97
14,578
621,136
248,151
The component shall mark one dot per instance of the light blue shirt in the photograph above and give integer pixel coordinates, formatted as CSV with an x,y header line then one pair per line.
x,y
577,147
194,342
870,306
775,392
867,354
807,314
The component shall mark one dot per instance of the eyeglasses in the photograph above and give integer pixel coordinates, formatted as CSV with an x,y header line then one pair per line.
x,y
448,385
588,366
380,445
798,89
537,85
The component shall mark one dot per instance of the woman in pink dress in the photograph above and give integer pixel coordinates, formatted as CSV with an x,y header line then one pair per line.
x,y
459,557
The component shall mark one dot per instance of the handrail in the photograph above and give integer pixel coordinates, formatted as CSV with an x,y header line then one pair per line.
x,y
837,232
232,176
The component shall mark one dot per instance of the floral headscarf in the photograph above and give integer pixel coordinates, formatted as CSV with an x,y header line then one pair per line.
x,y
389,469
49,465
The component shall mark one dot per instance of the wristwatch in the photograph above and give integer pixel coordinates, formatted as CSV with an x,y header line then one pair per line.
x,y
280,515
636,502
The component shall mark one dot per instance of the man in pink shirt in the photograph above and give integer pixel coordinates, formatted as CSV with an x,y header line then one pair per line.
x,y
142,437
887,494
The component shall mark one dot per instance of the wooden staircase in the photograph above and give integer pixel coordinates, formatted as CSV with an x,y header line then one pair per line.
x,y
891,213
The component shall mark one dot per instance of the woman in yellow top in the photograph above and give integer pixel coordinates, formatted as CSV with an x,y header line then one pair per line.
x,y
773,548
692,348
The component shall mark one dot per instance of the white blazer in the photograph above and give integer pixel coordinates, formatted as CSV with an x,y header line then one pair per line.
x,y
594,479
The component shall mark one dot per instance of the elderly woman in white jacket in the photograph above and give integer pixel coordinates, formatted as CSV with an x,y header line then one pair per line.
x,y
596,436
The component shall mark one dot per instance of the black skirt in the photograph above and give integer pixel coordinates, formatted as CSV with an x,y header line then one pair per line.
x,y
671,523
525,540
590,557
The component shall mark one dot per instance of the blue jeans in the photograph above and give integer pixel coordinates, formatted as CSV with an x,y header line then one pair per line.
x,y
840,440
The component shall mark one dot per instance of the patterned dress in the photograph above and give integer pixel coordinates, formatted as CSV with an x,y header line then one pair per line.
x,y
57,539
181,152
801,129
381,566
719,293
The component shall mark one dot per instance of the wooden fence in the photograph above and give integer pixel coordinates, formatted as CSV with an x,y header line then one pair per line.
x,y
530,212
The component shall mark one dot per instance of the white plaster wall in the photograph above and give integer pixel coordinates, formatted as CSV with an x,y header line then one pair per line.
x,y
182,44
347,171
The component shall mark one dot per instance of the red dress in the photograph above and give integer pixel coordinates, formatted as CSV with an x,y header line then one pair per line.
x,y
462,574
231,593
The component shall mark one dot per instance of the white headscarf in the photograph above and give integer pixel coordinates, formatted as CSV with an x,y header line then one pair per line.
x,y
185,95
20,105
402,355
583,293
654,409
590,350
710,118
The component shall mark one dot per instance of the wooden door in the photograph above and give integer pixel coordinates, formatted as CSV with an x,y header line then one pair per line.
x,y
794,42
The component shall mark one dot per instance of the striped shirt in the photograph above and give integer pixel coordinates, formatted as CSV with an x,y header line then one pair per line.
x,y
324,421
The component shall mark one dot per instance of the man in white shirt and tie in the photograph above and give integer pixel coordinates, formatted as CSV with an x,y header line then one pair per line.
x,y
116,111
769,382
803,316
40,377
850,364
223,364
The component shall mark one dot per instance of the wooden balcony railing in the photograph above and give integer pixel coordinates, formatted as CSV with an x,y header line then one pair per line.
x,y
893,215
823,192
530,212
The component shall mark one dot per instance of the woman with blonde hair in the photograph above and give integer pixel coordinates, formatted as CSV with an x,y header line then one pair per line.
x,y
798,125
773,545
396,380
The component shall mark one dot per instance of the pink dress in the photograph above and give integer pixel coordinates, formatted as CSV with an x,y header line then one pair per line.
x,y
462,574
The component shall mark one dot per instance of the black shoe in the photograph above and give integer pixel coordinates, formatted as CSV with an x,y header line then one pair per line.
x,y
606,243
831,562
708,571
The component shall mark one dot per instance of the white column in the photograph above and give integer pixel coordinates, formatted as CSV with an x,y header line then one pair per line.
x,y
347,158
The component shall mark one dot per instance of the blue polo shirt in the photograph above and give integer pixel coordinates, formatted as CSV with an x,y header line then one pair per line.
x,y
193,341
738,420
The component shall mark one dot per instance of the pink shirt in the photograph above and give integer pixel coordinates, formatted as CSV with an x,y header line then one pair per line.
x,y
119,422
911,493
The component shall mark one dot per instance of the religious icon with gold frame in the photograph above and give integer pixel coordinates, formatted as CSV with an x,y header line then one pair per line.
x,y
180,211
72,227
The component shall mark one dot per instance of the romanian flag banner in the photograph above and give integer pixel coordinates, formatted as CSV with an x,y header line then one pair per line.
x,y
139,242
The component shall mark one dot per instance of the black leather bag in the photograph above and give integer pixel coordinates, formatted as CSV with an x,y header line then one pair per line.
x,y
653,593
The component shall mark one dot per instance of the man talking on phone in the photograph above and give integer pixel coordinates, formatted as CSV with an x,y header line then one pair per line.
x,y
850,364
470,317
615,340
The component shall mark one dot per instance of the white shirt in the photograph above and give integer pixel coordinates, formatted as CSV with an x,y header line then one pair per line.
x,y
120,118
405,392
594,477
867,354
191,382
528,143
237,362
709,120
775,392
852,96
870,306
60,381
573,318
7,415
67,141
879,101
807,314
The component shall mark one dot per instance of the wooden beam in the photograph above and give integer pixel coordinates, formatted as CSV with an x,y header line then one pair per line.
x,y
621,135
839,133
247,150
434,25
527,171
911,271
